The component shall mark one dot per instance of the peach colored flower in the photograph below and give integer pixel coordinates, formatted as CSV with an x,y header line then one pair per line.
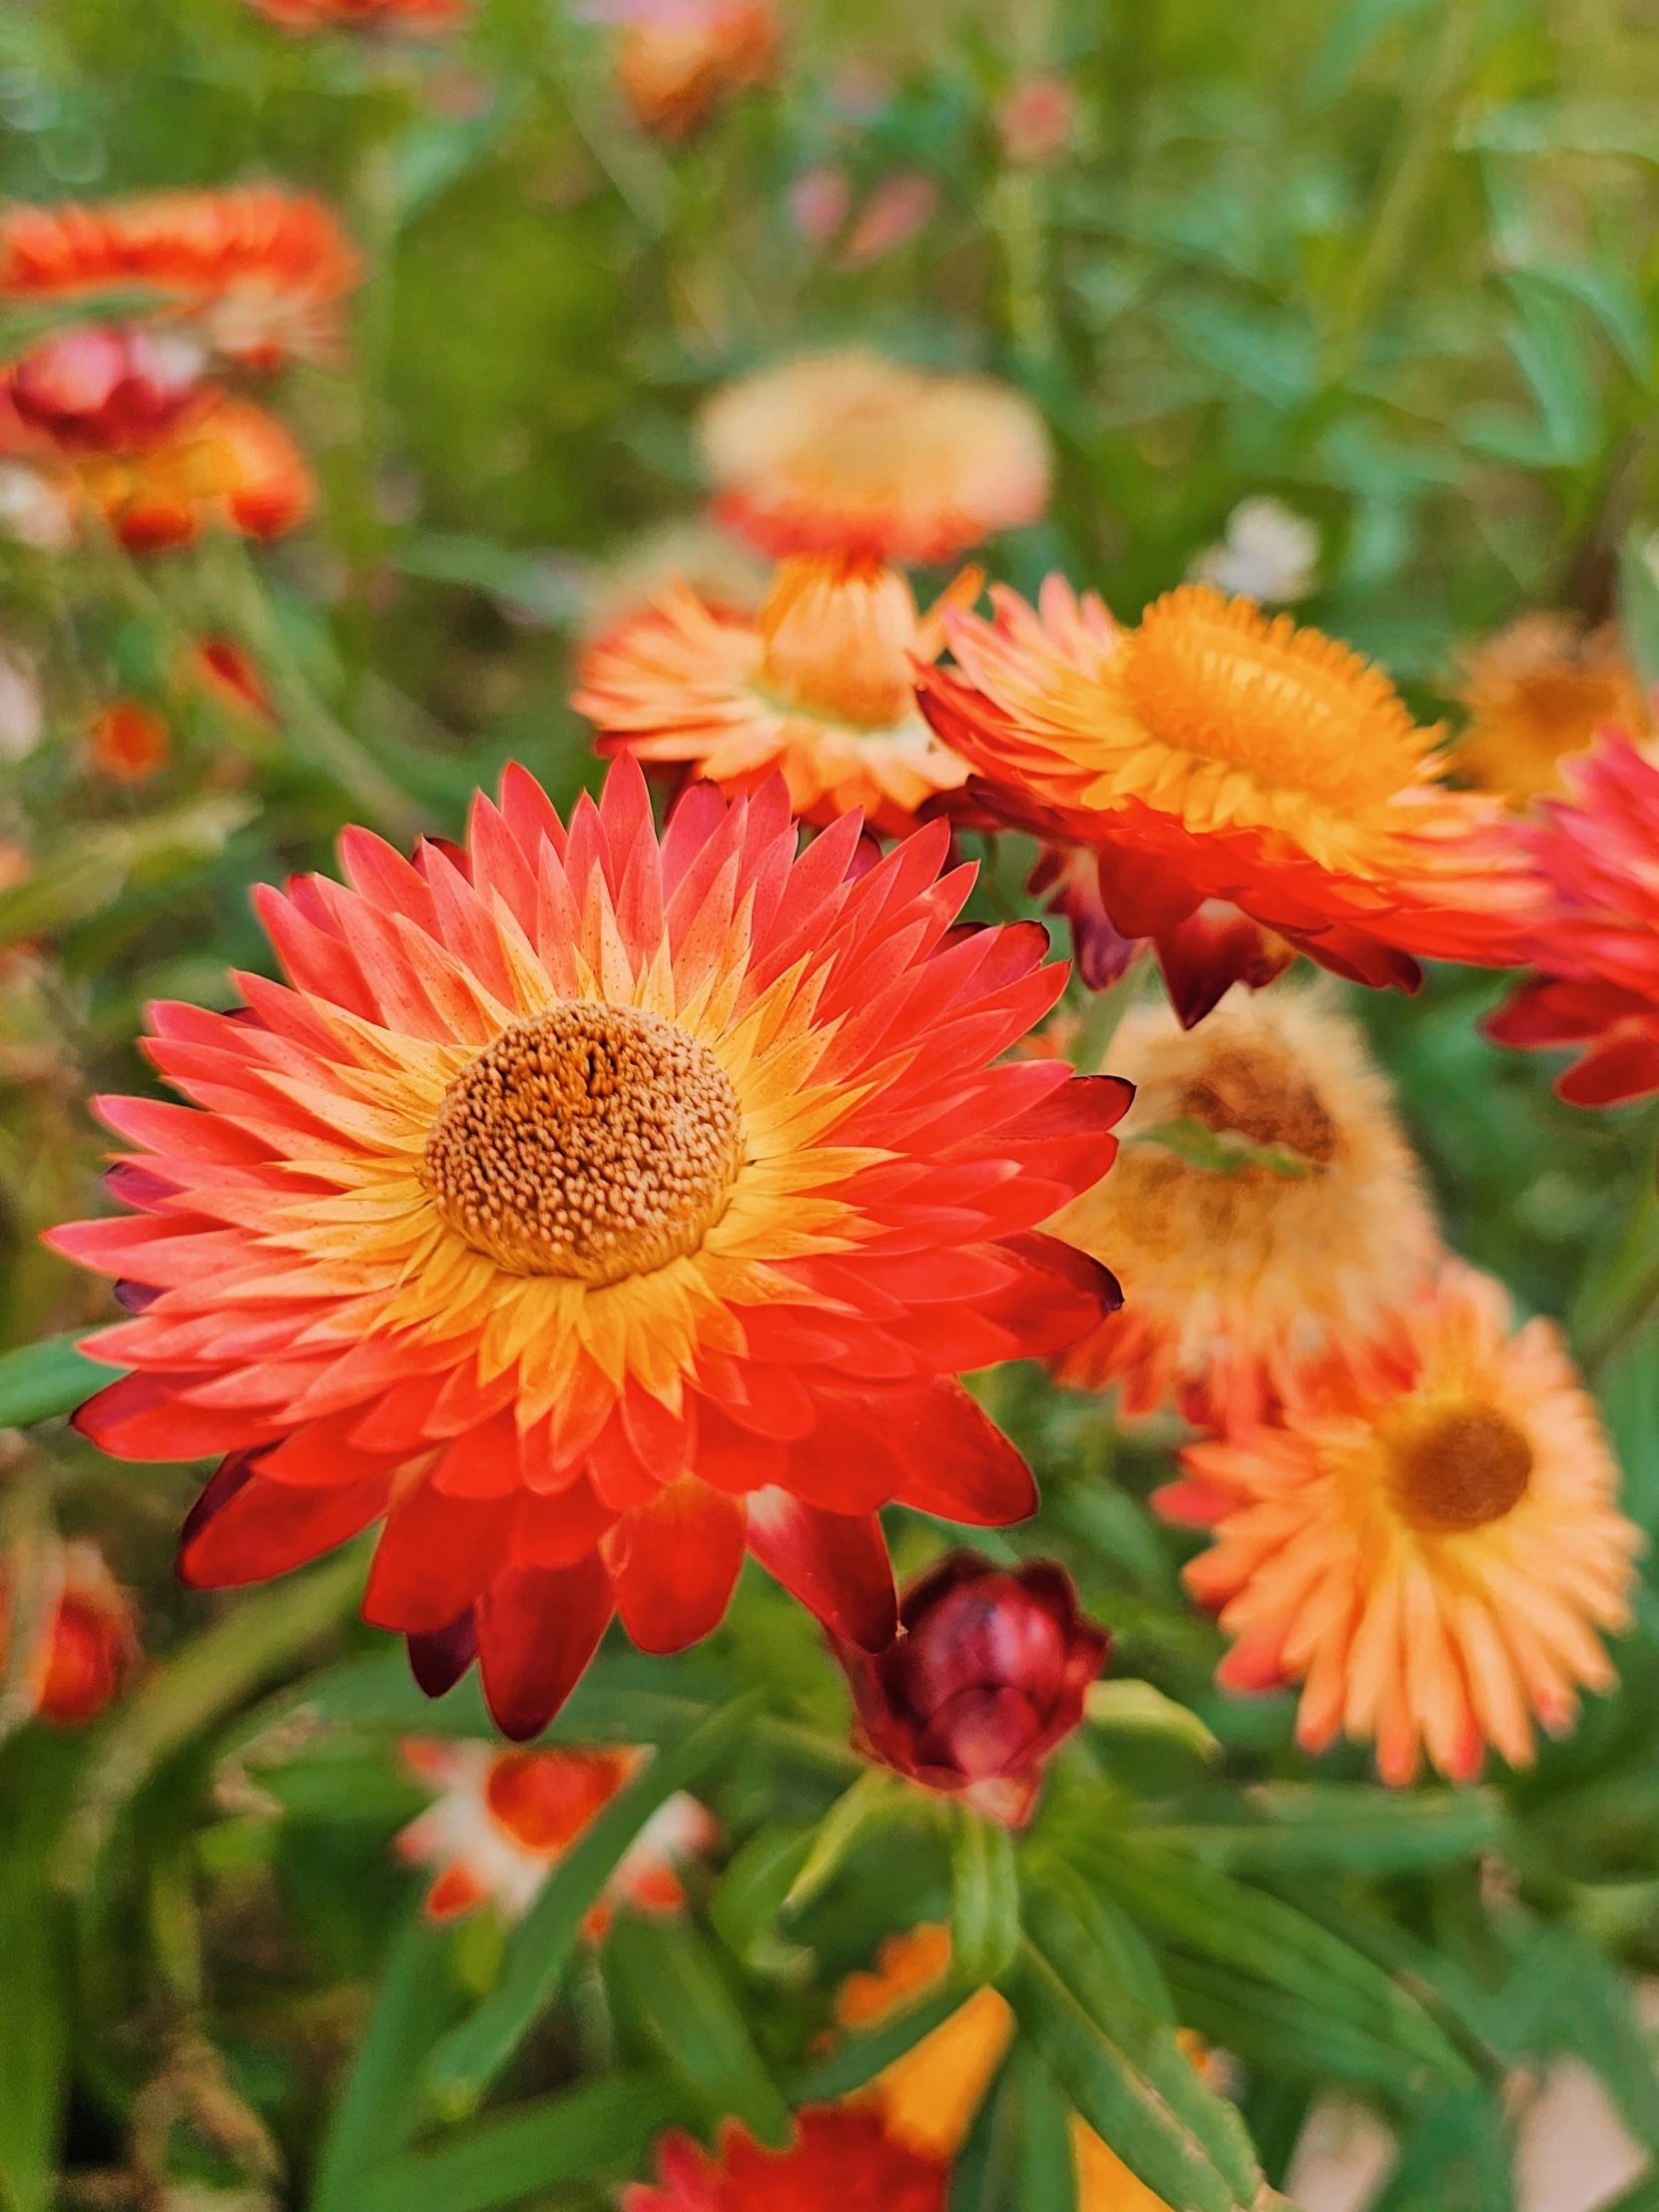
x,y
1539,692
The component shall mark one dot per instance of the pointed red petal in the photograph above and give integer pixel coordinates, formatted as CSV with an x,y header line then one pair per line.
x,y
438,1659
537,1629
678,1563
837,1564
435,1555
268,1528
962,1467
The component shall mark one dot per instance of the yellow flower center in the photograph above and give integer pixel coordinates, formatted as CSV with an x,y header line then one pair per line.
x,y
1217,679
1265,1099
591,1141
839,637
1460,1471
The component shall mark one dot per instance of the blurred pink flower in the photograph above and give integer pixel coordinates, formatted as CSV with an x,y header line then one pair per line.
x,y
819,199
1035,121
894,212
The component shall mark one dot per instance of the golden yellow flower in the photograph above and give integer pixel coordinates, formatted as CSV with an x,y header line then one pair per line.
x,y
1537,692
1429,1545
1234,1266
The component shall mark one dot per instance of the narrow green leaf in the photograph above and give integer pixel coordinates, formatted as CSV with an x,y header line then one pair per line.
x,y
1113,2093
860,2058
87,874
1344,1824
603,2125
984,1898
37,1773
749,1896
1047,2168
201,1681
1120,1706
43,1380
875,1799
380,2103
470,2058
676,1990
1216,1917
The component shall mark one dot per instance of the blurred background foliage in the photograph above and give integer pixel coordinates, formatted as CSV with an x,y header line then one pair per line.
x,y
1391,261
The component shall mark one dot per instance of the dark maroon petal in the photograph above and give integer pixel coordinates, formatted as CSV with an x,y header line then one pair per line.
x,y
439,1657
134,1297
232,1474
982,1732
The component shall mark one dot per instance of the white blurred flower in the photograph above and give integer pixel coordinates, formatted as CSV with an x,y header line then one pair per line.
x,y
1268,552
21,711
32,510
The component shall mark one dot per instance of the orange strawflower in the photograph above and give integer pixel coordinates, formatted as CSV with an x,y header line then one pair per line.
x,y
503,1820
234,468
1538,692
1428,1542
85,1645
1238,1267
1214,755
129,741
260,273
844,453
679,61
596,1207
819,685
420,18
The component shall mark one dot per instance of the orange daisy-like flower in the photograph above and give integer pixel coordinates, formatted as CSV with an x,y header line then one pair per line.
x,y
849,454
234,467
820,685
423,18
258,272
679,61
1430,1546
504,1819
593,1209
1211,755
1538,692
1597,949
841,2160
1265,1205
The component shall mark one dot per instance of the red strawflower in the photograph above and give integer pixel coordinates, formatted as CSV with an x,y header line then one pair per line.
x,y
1596,950
108,390
593,1208
842,2160
260,273
988,1678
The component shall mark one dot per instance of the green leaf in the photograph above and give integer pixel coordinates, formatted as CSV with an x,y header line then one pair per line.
x,y
858,2058
1120,1706
43,1380
602,2127
1354,30
1565,127
90,870
1247,1933
1047,2168
1353,1826
676,1990
984,1898
533,586
1223,1151
749,1896
1119,2080
877,1798
381,2104
470,2058
197,1684
1458,2152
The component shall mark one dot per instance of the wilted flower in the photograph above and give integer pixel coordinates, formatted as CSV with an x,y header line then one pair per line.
x,y
594,1209
420,18
1426,1542
129,741
504,1820
846,454
1269,553
841,2160
1236,1265
85,1646
258,273
1540,691
1036,120
899,210
1596,946
1213,755
987,1679
679,60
